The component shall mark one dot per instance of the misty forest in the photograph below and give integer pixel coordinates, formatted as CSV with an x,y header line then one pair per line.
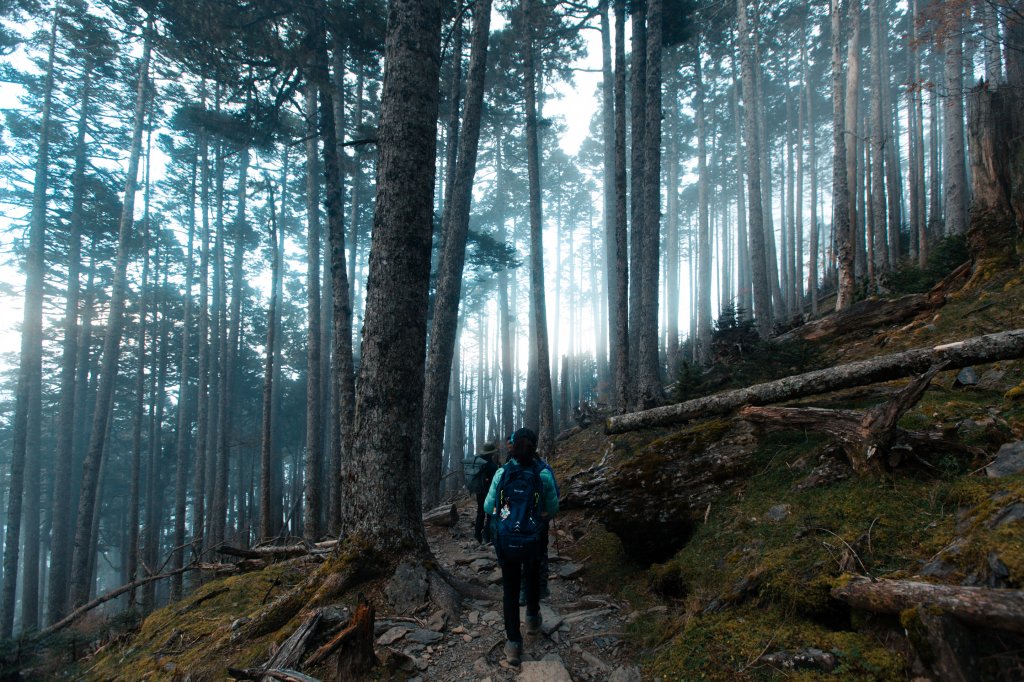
x,y
276,272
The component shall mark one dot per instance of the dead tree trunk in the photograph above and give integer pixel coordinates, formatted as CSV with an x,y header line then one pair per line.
x,y
980,349
995,128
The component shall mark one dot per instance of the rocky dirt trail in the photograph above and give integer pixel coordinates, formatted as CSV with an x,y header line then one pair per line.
x,y
581,638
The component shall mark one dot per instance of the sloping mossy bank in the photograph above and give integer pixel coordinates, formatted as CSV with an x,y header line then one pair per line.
x,y
756,575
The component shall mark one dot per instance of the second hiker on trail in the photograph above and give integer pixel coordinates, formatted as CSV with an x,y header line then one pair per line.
x,y
479,483
521,499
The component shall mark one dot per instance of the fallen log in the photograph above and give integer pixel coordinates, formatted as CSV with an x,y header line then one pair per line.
x,y
865,436
444,516
980,606
269,551
280,674
862,319
1007,345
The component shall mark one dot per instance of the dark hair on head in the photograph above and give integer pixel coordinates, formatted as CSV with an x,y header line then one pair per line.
x,y
524,446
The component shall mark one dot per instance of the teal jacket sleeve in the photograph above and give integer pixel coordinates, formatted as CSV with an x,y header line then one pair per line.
x,y
550,496
492,492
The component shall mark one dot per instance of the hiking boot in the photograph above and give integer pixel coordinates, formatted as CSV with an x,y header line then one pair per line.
x,y
513,652
533,623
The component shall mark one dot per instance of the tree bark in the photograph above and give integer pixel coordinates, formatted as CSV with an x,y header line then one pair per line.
x,y
80,576
546,430
183,430
755,224
621,379
267,421
27,426
454,230
954,162
382,478
610,251
342,375
703,228
203,360
314,418
976,350
995,127
60,555
840,191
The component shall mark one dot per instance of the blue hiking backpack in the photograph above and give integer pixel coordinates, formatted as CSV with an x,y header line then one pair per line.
x,y
518,508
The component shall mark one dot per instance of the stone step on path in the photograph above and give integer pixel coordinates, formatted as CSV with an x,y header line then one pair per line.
x,y
580,639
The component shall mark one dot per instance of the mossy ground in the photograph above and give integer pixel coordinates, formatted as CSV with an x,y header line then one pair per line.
x,y
170,641
746,585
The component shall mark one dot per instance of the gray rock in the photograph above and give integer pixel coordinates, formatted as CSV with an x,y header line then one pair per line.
x,y
239,622
437,622
550,620
937,568
807,658
407,589
482,564
625,674
993,380
778,512
998,573
490,617
570,570
424,636
480,667
543,671
393,635
1014,512
966,377
1009,460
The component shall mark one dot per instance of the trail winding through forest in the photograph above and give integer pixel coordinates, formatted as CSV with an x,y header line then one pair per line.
x,y
581,638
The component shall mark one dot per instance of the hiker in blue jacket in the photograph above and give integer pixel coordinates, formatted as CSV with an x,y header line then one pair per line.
x,y
521,499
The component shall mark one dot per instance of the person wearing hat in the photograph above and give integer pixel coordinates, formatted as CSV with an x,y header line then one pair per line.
x,y
481,484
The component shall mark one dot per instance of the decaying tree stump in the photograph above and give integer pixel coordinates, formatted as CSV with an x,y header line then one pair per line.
x,y
995,129
351,649
1006,345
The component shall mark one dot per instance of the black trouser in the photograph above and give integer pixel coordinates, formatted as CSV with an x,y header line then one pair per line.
x,y
543,561
482,529
512,574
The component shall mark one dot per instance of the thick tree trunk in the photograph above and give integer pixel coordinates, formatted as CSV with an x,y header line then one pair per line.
x,y
607,363
977,350
703,228
755,225
858,219
954,161
80,575
977,606
311,510
637,102
812,159
621,378
382,500
840,189
744,299
880,261
342,376
454,230
672,236
546,429
996,129
648,379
